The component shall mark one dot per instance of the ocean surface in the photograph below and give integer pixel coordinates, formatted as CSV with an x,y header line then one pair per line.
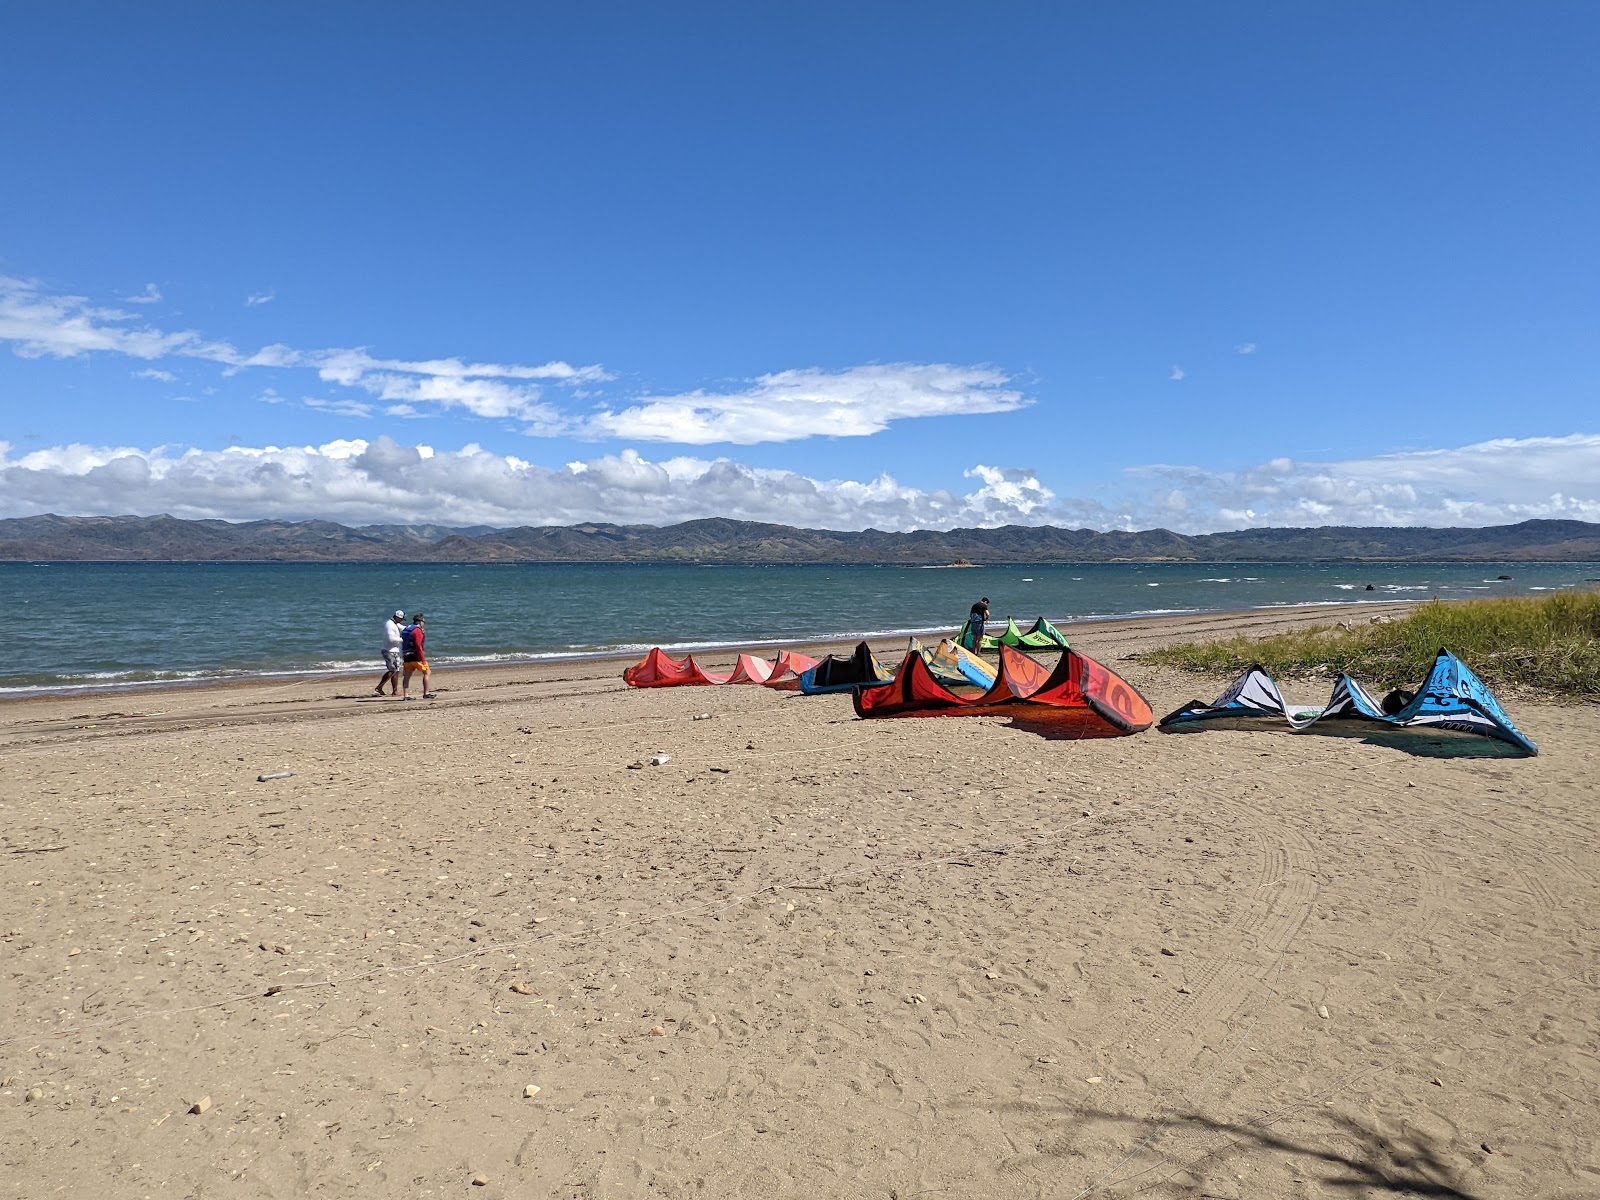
x,y
118,625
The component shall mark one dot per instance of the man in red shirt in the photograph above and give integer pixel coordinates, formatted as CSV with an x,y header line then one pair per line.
x,y
416,658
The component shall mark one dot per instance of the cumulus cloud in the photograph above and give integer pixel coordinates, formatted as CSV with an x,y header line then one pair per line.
x,y
256,299
155,373
790,405
1245,348
150,295
1176,373
362,482
1489,483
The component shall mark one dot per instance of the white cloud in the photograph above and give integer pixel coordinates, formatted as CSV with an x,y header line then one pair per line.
x,y
155,373
1246,348
255,299
780,407
790,405
150,295
340,408
1176,373
364,482
361,482
41,325
1489,483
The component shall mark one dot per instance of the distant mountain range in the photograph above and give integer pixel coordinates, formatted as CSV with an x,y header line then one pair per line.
x,y
717,540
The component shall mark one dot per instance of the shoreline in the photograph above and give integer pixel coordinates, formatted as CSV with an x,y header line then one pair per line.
x,y
842,643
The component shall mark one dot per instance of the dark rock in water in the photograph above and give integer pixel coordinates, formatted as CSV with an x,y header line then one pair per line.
x,y
1370,588
1502,577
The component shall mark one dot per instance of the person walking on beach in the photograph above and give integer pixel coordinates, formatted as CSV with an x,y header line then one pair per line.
x,y
391,653
415,657
975,622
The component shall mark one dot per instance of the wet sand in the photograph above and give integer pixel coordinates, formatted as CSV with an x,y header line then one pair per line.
x,y
808,954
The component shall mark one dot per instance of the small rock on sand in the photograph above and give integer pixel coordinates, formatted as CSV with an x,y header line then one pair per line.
x,y
34,1094
522,989
480,1181
529,1092
200,1106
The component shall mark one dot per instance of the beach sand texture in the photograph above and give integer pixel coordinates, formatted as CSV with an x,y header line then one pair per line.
x,y
806,955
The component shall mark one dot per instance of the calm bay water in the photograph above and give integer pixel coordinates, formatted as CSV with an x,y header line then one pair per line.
x,y
123,624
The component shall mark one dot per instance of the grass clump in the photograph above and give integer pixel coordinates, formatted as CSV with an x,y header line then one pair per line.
x,y
1549,643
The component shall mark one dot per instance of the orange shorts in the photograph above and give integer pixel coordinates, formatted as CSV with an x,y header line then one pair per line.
x,y
416,666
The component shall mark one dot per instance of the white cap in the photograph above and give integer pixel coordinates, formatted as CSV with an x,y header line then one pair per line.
x,y
399,614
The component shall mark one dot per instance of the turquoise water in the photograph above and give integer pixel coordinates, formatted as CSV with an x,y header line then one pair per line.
x,y
121,624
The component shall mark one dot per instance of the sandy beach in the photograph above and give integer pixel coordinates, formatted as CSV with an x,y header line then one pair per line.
x,y
807,955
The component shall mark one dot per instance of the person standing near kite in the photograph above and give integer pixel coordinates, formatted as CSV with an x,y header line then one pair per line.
x,y
975,622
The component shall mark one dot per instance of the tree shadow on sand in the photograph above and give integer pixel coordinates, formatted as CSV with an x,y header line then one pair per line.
x,y
1407,1164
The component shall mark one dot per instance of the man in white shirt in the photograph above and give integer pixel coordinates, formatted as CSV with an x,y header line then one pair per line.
x,y
391,653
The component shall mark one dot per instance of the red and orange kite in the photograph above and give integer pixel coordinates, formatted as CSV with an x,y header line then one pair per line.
x,y
1078,691
658,669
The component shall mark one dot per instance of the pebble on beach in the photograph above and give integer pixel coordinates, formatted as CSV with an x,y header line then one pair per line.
x,y
200,1106
529,1092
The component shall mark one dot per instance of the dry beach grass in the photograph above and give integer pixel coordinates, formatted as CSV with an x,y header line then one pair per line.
x,y
807,954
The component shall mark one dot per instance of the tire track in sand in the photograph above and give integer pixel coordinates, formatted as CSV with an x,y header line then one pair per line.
x,y
1274,911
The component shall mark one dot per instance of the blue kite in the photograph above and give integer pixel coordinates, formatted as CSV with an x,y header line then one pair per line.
x,y
1452,702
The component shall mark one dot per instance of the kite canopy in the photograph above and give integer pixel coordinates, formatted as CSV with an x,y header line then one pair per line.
x,y
1452,702
837,673
1077,690
951,664
788,667
1041,635
658,669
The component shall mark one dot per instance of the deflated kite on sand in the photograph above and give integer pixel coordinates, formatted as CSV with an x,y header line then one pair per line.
x,y
1077,691
951,664
659,669
836,673
1451,703
1041,635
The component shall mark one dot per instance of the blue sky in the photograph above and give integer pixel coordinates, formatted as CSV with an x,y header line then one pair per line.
x,y
1201,266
